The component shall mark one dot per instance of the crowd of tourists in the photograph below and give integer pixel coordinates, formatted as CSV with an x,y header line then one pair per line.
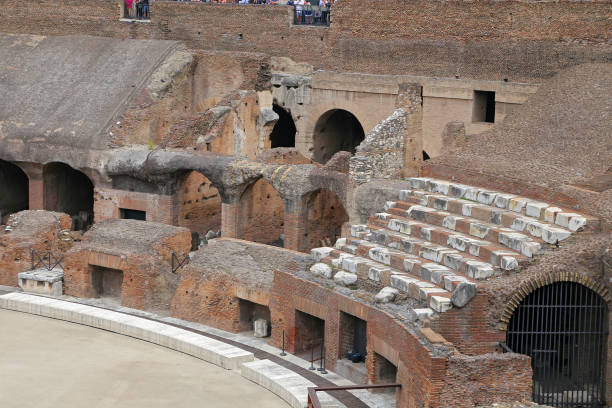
x,y
138,9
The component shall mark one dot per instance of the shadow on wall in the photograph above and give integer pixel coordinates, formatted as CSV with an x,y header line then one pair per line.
x,y
262,214
336,130
326,214
283,133
14,194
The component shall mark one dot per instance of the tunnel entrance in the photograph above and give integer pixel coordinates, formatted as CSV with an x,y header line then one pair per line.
x,y
336,130
563,328
70,191
283,134
14,190
107,282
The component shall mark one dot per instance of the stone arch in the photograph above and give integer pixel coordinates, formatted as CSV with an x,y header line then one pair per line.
x,y
199,203
70,191
14,190
535,283
283,133
261,214
325,216
334,131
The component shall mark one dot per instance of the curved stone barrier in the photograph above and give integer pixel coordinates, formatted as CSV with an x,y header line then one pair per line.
x,y
207,349
290,386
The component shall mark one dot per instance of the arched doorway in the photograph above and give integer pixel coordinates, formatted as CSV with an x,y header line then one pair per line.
x,y
563,328
262,214
283,133
326,214
14,190
70,191
336,130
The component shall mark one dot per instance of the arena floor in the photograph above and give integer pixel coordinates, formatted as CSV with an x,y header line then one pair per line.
x,y
52,363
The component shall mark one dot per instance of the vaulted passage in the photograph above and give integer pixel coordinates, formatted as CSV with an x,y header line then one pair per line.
x,y
199,204
13,190
326,215
262,214
336,130
70,191
283,134
563,328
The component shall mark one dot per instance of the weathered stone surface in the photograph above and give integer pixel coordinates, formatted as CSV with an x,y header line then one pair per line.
x,y
322,270
345,278
261,328
463,293
386,295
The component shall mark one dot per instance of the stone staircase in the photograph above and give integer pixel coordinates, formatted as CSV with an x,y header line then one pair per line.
x,y
441,238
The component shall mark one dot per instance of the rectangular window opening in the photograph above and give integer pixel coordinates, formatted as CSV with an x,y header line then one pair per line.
x,y
483,109
127,214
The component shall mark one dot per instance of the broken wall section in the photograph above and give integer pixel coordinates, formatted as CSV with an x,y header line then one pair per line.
x,y
393,148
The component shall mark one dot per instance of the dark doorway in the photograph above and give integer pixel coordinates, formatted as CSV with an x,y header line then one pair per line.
x,y
353,340
484,107
385,371
249,312
107,282
563,328
309,332
14,190
283,134
70,191
127,214
336,130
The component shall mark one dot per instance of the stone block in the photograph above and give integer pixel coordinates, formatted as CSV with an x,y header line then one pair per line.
x,y
577,223
345,278
450,222
463,293
453,261
441,187
321,269
550,214
503,200
520,223
389,205
261,328
563,219
419,183
440,304
486,197
42,281
340,242
401,282
509,263
426,233
381,255
421,313
479,270
535,228
440,203
320,253
534,209
553,235
530,248
479,230
517,204
386,295
457,190
409,264
471,194
404,194
512,240
356,229
466,209
451,280
399,226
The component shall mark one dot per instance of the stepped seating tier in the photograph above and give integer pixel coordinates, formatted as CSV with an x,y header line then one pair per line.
x,y
441,238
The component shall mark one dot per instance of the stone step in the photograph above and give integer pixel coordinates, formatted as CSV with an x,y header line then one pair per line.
x,y
480,212
507,237
519,205
414,249
287,384
485,251
428,282
205,348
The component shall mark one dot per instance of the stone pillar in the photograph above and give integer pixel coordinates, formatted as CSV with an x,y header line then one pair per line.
x,y
296,217
410,98
34,171
230,218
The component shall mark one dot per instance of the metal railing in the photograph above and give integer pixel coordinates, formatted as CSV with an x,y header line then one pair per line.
x,y
311,15
313,400
178,261
45,259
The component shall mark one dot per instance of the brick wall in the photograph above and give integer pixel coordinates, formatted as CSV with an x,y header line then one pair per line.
x,y
488,40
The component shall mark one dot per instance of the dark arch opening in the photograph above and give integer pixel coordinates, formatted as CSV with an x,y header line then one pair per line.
x,y
70,191
326,214
262,214
563,328
199,204
14,190
283,133
336,130
425,156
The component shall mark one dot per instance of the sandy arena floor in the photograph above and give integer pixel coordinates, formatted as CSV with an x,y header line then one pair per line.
x,y
52,363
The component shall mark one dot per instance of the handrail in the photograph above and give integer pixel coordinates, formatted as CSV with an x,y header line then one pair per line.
x,y
313,400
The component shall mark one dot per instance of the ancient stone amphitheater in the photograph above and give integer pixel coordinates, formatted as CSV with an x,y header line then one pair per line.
x,y
408,204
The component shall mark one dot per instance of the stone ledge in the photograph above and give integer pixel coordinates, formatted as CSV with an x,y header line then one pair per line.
x,y
207,349
290,386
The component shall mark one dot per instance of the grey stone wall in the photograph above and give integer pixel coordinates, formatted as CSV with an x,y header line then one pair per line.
x,y
381,154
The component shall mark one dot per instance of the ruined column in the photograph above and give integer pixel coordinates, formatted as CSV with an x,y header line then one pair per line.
x,y
36,193
296,216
